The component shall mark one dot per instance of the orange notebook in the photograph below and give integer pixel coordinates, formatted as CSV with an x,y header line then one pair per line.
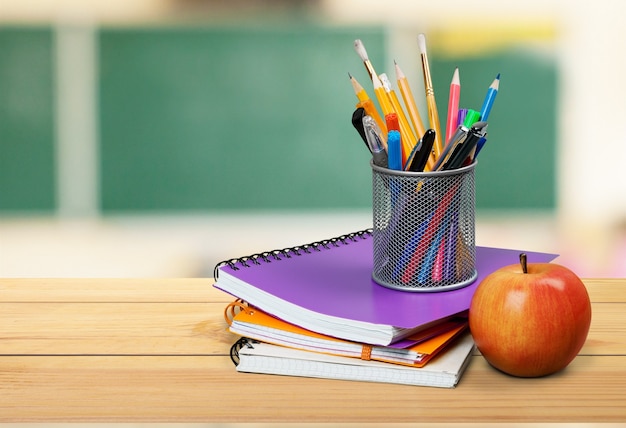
x,y
253,323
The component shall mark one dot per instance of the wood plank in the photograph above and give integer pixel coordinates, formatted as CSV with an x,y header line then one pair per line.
x,y
606,289
208,389
111,290
114,328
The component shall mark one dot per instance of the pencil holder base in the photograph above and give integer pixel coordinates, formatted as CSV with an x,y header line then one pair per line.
x,y
431,289
424,229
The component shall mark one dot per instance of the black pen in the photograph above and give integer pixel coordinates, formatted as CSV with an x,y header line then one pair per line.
x,y
418,163
464,150
449,147
357,122
457,138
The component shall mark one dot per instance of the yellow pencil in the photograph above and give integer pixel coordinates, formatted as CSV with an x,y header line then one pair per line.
x,y
367,104
382,97
408,138
433,115
409,103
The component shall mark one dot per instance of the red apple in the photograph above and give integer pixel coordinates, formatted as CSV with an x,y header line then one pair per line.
x,y
530,320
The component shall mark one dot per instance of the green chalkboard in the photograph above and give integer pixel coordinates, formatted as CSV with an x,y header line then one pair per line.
x,y
517,168
232,118
26,120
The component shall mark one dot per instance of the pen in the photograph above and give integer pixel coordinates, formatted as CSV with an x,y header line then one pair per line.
x,y
450,255
357,122
453,104
418,163
374,141
433,114
437,274
428,264
463,150
454,153
479,146
461,133
428,235
492,91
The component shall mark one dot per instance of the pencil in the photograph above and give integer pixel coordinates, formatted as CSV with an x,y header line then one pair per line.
x,y
408,138
381,96
409,102
490,98
358,89
366,103
453,105
433,114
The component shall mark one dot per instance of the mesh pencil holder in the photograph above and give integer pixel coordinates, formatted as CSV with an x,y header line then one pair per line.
x,y
424,229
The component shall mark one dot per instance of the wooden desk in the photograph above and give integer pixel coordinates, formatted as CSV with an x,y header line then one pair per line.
x,y
128,350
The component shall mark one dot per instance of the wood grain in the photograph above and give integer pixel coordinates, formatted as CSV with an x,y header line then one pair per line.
x,y
156,350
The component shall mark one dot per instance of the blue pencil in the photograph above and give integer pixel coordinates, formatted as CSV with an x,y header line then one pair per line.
x,y
490,98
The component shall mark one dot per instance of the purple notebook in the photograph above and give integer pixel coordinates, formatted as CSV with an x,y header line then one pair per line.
x,y
329,289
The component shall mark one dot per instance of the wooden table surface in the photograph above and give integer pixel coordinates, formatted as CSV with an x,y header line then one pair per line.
x,y
147,350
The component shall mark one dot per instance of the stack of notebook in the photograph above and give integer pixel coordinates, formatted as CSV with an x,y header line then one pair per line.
x,y
314,311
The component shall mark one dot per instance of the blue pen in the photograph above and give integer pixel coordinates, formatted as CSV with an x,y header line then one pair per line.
x,y
394,150
480,145
490,98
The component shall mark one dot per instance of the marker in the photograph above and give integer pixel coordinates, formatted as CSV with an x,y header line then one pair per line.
x,y
394,150
461,118
471,118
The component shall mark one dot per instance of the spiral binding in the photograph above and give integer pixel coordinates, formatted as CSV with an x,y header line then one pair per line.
x,y
234,350
277,255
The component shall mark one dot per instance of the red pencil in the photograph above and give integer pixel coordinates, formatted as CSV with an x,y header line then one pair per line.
x,y
453,105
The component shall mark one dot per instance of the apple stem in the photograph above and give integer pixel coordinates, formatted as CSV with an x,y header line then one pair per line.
x,y
524,262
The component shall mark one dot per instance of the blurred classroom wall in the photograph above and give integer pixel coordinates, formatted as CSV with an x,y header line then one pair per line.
x,y
128,144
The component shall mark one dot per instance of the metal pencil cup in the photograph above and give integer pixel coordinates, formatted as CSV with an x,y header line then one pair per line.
x,y
424,229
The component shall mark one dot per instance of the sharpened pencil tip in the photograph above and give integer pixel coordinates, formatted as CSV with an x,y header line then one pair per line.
x,y
498,76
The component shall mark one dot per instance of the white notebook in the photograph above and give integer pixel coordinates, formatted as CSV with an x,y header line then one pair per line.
x,y
444,371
